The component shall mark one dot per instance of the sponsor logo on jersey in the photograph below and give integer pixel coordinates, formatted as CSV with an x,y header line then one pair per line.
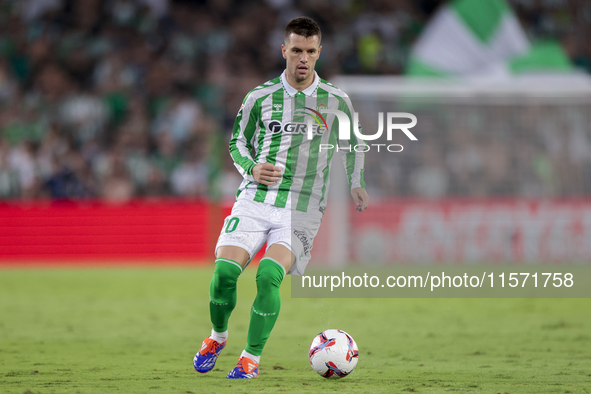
x,y
317,116
301,128
276,127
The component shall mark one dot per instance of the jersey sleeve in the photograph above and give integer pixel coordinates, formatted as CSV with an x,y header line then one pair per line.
x,y
242,137
353,160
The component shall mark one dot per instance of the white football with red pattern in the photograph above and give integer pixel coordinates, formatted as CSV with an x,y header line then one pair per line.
x,y
333,354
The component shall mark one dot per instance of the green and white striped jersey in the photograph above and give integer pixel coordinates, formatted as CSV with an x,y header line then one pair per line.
x,y
271,126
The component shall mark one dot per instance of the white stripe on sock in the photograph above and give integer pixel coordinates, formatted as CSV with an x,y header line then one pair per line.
x,y
231,262
219,336
254,358
278,263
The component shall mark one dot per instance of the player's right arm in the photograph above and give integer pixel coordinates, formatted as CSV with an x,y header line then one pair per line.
x,y
354,162
241,145
242,137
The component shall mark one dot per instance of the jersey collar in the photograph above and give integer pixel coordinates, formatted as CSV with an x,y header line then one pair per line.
x,y
293,91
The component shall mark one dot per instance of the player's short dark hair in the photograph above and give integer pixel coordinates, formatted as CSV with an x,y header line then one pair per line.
x,y
303,26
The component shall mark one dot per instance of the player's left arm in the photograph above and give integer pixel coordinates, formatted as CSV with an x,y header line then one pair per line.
x,y
242,136
361,198
354,162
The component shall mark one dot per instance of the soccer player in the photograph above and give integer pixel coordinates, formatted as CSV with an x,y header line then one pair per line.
x,y
283,195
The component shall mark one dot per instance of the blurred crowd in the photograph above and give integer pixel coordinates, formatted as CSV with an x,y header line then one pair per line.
x,y
129,98
528,147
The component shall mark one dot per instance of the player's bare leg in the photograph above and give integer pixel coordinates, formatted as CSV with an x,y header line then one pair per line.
x,y
272,269
234,253
281,254
229,264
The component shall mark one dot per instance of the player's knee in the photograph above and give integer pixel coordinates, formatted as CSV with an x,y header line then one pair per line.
x,y
267,282
225,274
269,275
223,280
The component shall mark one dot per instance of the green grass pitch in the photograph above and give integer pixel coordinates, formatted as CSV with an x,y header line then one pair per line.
x,y
136,330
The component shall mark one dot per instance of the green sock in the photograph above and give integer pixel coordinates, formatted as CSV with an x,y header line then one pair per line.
x,y
266,305
222,292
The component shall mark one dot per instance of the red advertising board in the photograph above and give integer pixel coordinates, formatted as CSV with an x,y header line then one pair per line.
x,y
392,231
474,231
160,230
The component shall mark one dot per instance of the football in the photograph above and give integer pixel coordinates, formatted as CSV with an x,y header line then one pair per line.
x,y
333,354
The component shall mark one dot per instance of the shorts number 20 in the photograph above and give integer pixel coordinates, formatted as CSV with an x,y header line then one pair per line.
x,y
232,224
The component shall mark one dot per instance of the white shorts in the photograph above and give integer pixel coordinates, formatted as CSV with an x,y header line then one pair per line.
x,y
252,223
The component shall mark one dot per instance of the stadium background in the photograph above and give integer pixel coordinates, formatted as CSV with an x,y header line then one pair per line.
x,y
114,122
